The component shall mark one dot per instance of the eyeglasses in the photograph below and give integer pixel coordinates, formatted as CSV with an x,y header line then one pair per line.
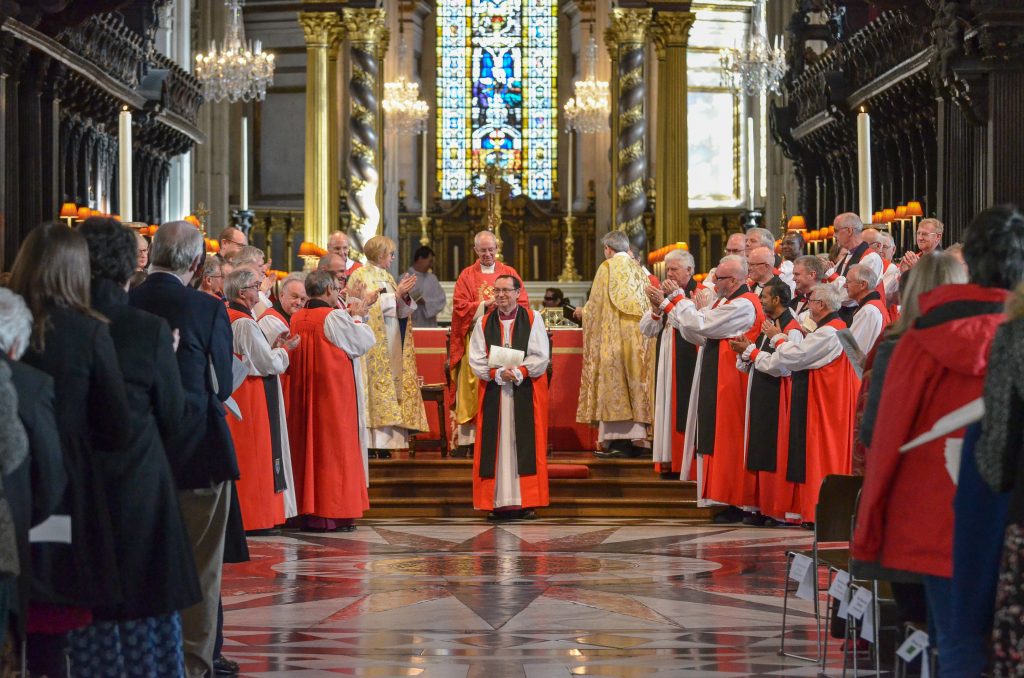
x,y
752,264
928,233
735,251
214,276
547,298
505,290
250,287
724,277
815,301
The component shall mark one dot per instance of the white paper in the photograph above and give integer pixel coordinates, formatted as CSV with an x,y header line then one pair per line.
x,y
55,529
501,356
867,625
239,372
913,646
852,350
802,570
840,585
970,413
954,450
233,408
859,603
844,604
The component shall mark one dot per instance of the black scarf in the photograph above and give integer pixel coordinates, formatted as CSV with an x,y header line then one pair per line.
x,y
763,429
685,365
855,256
522,398
273,414
796,471
707,390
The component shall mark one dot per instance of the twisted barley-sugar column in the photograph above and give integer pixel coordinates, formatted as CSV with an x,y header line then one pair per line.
x,y
672,165
630,29
321,31
365,30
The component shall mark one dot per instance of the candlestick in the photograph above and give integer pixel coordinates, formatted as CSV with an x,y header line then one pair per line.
x,y
751,155
817,200
864,163
124,163
423,190
243,200
536,263
569,187
455,260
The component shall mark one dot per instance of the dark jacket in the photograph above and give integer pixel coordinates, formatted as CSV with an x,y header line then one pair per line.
x,y
92,415
205,455
154,556
35,488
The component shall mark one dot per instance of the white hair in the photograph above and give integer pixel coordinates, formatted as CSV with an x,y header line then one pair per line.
x,y
15,323
175,246
766,237
238,279
481,234
297,277
740,262
864,274
828,295
682,256
616,241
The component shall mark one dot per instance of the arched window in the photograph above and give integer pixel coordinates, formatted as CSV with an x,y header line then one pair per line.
x,y
496,88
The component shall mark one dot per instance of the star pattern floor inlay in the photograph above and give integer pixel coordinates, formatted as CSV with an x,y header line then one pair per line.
x,y
461,598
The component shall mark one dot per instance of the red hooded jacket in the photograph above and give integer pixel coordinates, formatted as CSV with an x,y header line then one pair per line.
x,y
905,518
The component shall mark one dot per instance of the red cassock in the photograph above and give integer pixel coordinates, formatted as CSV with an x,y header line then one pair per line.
x,y
323,426
724,398
533,487
261,508
824,403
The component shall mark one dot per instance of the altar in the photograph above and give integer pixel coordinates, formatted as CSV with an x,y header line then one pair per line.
x,y
564,433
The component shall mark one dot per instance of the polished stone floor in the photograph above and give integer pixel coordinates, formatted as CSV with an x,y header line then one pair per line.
x,y
460,598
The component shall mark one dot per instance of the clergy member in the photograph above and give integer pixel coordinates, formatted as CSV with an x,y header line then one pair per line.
x,y
871,317
260,443
618,360
323,419
929,239
338,243
714,420
510,473
883,244
823,400
676,362
760,269
808,271
473,296
767,421
427,293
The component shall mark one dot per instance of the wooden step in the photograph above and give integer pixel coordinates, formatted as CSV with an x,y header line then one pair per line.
x,y
456,468
567,488
582,507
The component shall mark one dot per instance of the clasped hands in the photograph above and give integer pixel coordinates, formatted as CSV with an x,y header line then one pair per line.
x,y
286,341
656,295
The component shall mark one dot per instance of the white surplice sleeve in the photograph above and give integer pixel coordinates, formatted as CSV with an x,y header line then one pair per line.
x,y
819,348
352,336
272,327
721,322
250,343
866,326
649,325
538,351
404,306
432,295
262,305
478,353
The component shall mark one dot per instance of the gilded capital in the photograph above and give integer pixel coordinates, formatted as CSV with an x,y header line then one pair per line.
x,y
630,25
365,25
321,29
673,28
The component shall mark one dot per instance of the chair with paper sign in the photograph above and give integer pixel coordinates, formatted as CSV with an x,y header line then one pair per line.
x,y
830,549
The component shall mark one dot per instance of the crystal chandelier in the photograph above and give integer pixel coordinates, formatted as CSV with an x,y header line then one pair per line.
x,y
240,69
758,67
405,111
587,112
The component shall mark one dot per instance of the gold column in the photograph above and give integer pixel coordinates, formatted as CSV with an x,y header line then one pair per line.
x,y
322,31
366,33
334,119
611,43
672,164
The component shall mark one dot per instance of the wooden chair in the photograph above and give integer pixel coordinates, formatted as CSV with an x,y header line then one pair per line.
x,y
435,393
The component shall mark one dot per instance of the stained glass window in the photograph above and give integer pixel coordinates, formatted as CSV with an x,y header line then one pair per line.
x,y
496,88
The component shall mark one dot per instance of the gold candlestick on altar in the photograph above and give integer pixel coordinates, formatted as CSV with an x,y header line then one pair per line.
x,y
493,189
569,273
424,238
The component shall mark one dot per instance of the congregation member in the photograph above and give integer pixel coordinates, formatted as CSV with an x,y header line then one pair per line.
x,y
35,487
232,240
553,298
510,475
394,403
472,298
714,420
768,410
13,453
823,399
761,269
912,510
618,360
324,407
142,252
871,317
157,575
676,362
265,487
204,462
808,271
71,342
338,243
427,293
928,239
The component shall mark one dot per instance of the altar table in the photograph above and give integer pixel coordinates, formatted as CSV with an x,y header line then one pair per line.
x,y
564,434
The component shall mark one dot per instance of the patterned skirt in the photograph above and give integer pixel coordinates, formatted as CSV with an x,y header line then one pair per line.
x,y
1008,624
150,646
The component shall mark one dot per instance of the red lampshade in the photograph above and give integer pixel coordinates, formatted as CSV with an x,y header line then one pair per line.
x,y
901,212
796,223
888,216
68,209
914,209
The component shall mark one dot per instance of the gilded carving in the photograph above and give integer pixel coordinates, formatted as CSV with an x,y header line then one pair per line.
x,y
365,25
673,28
321,29
630,25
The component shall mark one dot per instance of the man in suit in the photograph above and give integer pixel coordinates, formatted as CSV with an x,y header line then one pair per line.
x,y
204,462
33,489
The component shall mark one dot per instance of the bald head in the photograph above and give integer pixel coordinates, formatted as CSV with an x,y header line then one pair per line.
x,y
849,230
486,247
730,274
736,245
761,264
338,244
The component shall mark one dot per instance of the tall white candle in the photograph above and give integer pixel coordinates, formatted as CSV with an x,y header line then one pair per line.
x,y
864,164
751,159
536,263
423,189
570,187
124,164
817,202
455,260
243,201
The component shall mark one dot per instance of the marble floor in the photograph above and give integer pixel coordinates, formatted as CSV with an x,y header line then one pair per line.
x,y
461,598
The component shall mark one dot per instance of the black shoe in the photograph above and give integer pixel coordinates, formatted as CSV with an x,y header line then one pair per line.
x,y
754,519
807,526
383,454
640,452
222,666
527,514
728,516
462,452
371,454
616,449
669,475
500,516
345,528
